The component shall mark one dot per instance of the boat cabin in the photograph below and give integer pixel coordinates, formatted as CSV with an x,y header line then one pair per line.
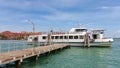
x,y
97,34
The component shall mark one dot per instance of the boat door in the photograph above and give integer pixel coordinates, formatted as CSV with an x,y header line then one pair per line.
x,y
35,39
94,36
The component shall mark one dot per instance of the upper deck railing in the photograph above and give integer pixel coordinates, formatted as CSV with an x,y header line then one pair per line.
x,y
65,32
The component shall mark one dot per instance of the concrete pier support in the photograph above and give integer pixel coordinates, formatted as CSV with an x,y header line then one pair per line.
x,y
19,63
36,58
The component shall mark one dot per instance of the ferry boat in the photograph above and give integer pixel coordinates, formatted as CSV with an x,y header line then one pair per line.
x,y
74,37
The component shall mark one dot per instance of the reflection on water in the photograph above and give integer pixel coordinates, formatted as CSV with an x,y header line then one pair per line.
x,y
77,57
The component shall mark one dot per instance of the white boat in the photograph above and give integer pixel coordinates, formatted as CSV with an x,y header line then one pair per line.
x,y
75,37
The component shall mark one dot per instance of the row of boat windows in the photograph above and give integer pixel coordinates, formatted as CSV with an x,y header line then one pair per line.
x,y
64,37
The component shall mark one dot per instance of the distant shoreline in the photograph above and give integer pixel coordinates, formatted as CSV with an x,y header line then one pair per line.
x,y
116,38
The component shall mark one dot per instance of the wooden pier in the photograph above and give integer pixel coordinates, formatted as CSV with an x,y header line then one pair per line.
x,y
19,55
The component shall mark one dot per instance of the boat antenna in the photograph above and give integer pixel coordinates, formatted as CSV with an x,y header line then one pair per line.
x,y
50,28
78,24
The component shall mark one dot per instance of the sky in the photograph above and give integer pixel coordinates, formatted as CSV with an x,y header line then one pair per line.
x,y
60,15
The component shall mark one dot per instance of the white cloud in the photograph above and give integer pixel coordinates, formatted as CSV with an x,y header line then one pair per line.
x,y
118,31
110,8
64,3
104,7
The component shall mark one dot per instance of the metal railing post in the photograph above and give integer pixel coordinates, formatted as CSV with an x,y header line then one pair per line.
x,y
14,46
23,46
8,46
0,49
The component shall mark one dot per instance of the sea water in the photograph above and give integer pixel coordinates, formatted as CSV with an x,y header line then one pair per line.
x,y
74,57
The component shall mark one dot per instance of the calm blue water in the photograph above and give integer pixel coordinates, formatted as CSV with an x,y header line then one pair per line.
x,y
76,57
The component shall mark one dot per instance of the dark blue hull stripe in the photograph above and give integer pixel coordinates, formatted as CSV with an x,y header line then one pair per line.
x,y
78,43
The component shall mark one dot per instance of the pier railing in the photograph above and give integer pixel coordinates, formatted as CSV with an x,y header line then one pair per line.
x,y
14,45
18,51
62,32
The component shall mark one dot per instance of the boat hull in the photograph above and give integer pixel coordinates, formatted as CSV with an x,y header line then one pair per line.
x,y
76,44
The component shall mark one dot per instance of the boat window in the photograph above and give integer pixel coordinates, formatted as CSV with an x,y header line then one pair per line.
x,y
65,37
52,37
56,37
30,37
81,30
75,37
44,37
35,39
70,37
81,37
61,37
101,32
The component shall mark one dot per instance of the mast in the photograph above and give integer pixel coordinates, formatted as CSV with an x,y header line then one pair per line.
x,y
49,40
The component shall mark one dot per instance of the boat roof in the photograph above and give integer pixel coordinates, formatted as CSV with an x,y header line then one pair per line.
x,y
97,30
79,28
74,29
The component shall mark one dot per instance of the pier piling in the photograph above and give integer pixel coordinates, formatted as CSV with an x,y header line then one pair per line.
x,y
18,64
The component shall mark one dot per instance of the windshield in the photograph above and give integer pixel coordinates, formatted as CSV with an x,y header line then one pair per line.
x,y
81,30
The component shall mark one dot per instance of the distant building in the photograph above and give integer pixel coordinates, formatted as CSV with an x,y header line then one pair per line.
x,y
17,36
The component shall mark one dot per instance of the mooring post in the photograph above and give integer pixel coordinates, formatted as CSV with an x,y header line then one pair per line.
x,y
18,63
49,39
88,40
85,41
36,58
